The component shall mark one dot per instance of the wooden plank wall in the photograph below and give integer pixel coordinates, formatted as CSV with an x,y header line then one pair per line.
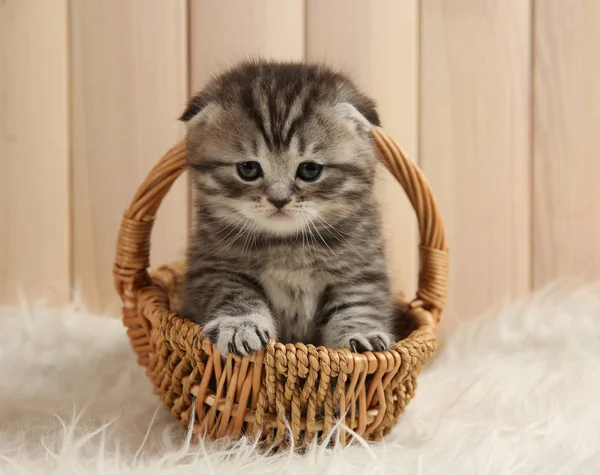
x,y
566,213
497,100
128,86
475,142
224,32
34,151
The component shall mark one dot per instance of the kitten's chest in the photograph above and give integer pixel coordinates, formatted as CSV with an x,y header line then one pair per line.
x,y
294,297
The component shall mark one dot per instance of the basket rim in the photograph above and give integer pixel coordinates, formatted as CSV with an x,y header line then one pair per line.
x,y
154,307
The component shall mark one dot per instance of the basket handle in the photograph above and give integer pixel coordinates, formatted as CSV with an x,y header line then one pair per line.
x,y
133,246
132,259
426,309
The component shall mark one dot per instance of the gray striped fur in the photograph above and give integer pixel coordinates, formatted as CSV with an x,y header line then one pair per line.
x,y
315,270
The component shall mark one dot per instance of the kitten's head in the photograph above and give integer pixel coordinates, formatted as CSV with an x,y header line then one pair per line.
x,y
281,147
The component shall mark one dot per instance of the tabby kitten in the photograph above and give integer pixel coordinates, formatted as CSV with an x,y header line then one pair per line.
x,y
287,243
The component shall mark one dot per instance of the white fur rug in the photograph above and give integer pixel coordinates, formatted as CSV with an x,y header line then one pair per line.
x,y
516,391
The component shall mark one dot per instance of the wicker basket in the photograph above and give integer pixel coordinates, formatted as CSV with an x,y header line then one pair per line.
x,y
286,393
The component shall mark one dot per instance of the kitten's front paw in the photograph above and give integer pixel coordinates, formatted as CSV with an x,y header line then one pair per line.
x,y
373,341
240,335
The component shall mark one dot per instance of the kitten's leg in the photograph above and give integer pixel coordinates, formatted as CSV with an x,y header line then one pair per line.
x,y
232,308
357,316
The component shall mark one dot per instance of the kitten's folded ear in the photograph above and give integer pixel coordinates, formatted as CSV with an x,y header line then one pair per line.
x,y
199,109
367,108
195,105
352,113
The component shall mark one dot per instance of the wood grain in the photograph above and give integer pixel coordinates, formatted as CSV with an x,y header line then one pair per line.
x,y
376,43
129,84
34,151
224,32
475,143
566,225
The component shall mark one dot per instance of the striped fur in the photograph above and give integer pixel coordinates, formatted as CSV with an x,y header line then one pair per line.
x,y
313,271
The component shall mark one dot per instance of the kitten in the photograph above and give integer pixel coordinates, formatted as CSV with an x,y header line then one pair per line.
x,y
287,243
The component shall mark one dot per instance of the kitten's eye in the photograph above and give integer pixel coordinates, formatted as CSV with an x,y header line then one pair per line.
x,y
249,171
309,171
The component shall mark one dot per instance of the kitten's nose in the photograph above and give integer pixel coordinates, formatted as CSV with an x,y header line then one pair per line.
x,y
278,203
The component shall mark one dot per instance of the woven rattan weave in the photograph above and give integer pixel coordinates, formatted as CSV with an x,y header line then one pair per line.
x,y
286,393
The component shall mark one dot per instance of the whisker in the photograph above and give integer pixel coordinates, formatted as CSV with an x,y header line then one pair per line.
x,y
311,243
335,233
322,239
302,233
341,233
332,229
313,238
233,228
249,240
238,235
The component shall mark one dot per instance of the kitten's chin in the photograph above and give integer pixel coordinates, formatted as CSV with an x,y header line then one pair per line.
x,y
279,224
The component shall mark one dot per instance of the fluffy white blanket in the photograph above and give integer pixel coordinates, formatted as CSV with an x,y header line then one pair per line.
x,y
516,391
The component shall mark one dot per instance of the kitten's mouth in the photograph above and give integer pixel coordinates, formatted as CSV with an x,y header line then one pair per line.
x,y
279,214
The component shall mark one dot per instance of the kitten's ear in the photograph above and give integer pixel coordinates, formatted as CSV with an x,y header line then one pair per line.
x,y
367,108
352,113
199,109
195,105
